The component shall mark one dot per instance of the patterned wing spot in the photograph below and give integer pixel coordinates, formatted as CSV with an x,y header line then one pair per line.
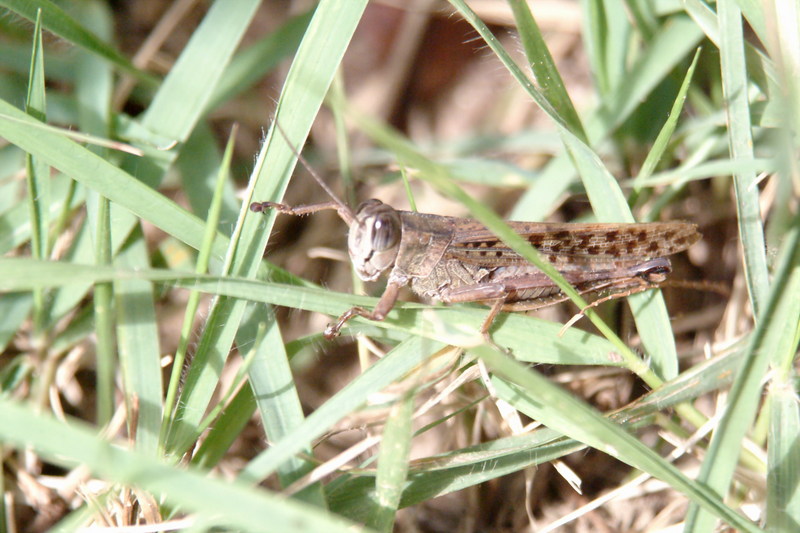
x,y
535,240
611,236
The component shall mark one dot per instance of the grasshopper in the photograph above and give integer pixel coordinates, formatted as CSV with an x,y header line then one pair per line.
x,y
458,260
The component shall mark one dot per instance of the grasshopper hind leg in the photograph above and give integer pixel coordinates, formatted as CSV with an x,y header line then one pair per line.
x,y
496,307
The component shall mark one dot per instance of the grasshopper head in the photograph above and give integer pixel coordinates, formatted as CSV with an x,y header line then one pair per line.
x,y
374,239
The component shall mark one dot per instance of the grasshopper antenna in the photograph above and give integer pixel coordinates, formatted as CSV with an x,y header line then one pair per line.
x,y
342,208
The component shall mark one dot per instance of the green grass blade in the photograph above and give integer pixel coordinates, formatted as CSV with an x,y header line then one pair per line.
x,y
677,39
100,223
662,141
57,21
735,86
307,82
607,37
191,82
254,62
138,345
38,174
216,503
438,177
392,464
578,420
545,73
779,320
532,339
226,429
404,357
277,398
783,499
203,259
609,205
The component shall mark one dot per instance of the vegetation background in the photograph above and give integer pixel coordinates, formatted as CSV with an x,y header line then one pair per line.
x,y
157,372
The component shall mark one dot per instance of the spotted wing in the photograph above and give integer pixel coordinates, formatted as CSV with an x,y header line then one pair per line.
x,y
567,242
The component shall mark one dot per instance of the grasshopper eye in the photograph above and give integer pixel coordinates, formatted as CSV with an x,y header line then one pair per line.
x,y
374,239
385,232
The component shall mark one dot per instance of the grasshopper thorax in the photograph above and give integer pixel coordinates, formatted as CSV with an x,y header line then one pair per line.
x,y
374,239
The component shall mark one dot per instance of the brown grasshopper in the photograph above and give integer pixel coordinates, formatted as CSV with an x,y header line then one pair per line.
x,y
458,260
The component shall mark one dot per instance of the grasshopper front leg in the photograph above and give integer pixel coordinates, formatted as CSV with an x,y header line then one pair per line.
x,y
299,210
385,304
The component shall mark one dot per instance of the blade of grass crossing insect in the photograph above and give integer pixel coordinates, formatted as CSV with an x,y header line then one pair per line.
x,y
545,73
533,340
651,315
392,467
337,95
649,310
38,175
307,82
744,399
437,175
735,89
580,421
609,204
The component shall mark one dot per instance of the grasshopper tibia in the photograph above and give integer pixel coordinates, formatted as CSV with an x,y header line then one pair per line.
x,y
385,304
298,210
